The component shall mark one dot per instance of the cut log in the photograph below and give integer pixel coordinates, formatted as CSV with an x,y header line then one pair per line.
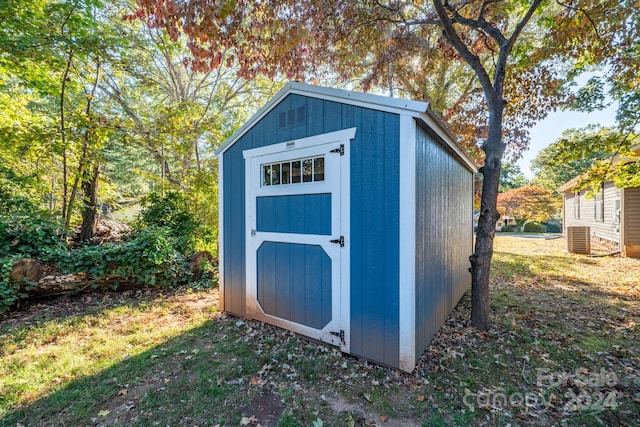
x,y
38,280
26,269
61,284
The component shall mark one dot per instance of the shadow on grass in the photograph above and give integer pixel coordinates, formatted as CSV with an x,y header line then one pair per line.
x,y
183,380
75,307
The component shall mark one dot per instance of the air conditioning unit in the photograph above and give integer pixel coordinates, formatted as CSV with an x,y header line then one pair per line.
x,y
579,240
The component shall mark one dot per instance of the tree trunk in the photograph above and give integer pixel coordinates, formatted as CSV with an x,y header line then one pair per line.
x,y
84,156
494,148
63,137
90,211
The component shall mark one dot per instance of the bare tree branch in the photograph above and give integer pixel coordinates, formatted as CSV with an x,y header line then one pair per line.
x,y
479,24
472,59
505,49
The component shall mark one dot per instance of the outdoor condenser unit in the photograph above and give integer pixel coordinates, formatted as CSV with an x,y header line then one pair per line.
x,y
579,240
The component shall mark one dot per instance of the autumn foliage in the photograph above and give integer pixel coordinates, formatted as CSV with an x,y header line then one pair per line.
x,y
529,203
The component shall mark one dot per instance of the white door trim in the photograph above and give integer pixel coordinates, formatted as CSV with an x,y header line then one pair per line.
x,y
340,225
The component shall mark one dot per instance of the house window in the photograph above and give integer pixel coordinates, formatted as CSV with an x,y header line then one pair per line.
x,y
310,169
599,206
576,205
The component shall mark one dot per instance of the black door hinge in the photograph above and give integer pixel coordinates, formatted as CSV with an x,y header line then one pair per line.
x,y
338,150
339,241
340,335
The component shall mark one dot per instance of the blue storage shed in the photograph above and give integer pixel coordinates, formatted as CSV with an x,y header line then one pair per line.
x,y
346,217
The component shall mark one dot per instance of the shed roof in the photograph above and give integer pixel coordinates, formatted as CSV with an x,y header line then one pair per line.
x,y
417,109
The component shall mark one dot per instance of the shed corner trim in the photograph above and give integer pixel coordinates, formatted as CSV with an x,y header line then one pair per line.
x,y
221,234
407,271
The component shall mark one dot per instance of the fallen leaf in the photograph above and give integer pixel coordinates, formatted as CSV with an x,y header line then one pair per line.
x,y
384,418
104,413
256,381
367,396
350,421
420,398
244,421
123,392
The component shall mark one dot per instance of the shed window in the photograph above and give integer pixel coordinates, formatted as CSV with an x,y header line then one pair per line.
x,y
576,205
296,171
599,206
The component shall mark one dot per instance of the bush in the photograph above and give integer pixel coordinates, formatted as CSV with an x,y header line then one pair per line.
x,y
25,235
151,258
554,228
173,213
534,227
29,234
509,229
9,291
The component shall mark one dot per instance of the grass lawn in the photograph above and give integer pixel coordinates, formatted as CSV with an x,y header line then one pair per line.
x,y
564,349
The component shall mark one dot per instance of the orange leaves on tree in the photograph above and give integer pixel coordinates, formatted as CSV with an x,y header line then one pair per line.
x,y
531,203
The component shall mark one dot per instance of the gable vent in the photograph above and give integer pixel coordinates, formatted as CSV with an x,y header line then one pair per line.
x,y
291,118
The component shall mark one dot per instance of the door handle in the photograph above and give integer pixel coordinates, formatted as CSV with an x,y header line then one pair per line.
x,y
253,232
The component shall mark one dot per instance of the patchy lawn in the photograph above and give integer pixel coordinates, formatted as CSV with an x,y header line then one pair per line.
x,y
564,350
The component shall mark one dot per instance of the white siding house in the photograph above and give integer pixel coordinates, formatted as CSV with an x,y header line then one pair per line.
x,y
613,215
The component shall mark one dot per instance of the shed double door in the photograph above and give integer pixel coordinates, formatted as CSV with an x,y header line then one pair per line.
x,y
296,252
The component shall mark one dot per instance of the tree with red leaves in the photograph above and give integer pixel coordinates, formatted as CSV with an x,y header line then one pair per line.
x,y
528,203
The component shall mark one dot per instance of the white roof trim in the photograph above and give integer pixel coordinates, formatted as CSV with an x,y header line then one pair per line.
x,y
416,109
443,132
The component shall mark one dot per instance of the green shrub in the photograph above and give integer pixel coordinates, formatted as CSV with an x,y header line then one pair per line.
x,y
25,235
509,229
172,212
9,291
29,234
553,227
534,227
151,258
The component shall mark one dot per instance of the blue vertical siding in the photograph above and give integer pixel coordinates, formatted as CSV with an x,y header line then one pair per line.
x,y
374,238
300,292
234,232
444,235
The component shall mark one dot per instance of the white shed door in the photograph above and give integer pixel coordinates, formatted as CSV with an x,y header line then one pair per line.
x,y
297,236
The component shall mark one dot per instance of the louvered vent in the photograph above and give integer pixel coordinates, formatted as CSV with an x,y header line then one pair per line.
x,y
579,240
292,118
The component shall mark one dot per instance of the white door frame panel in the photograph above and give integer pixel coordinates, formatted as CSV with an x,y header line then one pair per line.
x,y
337,183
